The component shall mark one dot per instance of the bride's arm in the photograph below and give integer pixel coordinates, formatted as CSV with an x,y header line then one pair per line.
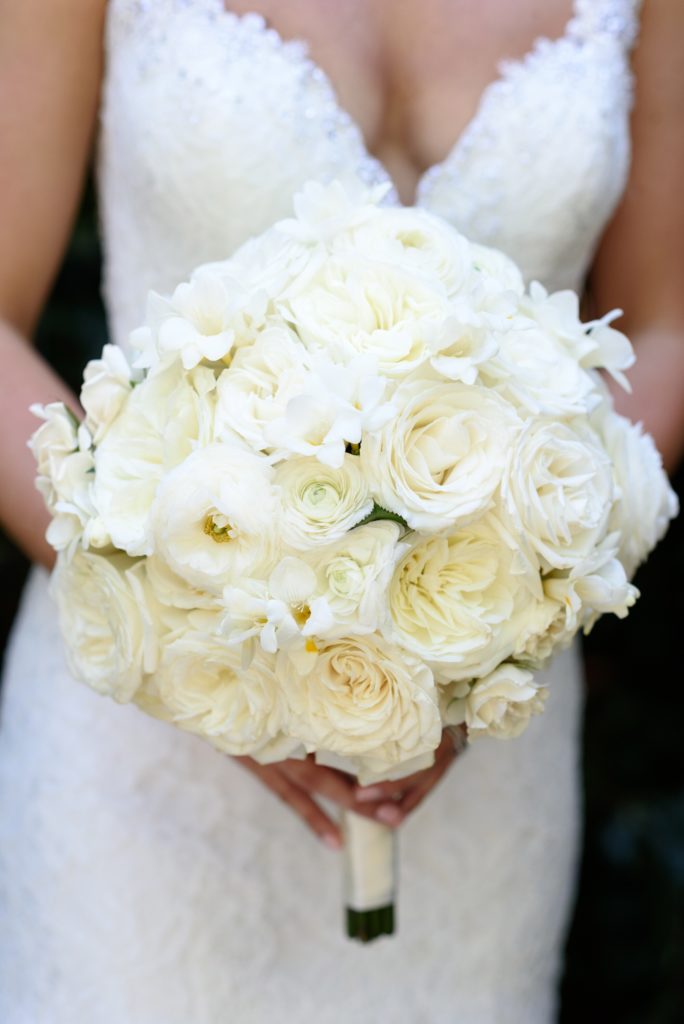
x,y
640,264
50,69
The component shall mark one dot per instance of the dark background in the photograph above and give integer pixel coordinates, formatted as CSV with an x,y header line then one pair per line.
x,y
625,957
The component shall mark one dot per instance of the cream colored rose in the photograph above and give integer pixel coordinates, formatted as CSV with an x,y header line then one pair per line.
x,y
106,386
646,503
259,383
439,462
357,305
367,702
458,601
320,504
558,491
163,421
214,518
205,689
499,705
107,621
492,270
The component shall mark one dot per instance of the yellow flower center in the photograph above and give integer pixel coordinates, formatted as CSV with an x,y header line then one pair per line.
x,y
219,529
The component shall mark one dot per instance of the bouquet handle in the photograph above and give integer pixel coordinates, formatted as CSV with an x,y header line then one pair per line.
x,y
370,869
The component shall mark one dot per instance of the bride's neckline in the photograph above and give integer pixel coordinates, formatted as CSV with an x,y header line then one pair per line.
x,y
506,69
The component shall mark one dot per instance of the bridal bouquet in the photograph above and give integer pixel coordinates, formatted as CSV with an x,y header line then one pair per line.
x,y
357,485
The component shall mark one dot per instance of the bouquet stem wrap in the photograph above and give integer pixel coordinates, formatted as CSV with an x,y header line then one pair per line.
x,y
370,868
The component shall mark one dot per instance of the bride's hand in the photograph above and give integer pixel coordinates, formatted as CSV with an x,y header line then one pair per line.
x,y
298,783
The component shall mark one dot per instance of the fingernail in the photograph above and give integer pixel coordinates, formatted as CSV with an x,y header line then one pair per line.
x,y
332,841
368,793
388,814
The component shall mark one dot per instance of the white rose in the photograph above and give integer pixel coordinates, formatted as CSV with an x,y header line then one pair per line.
x,y
214,517
164,419
459,601
367,702
259,383
558,491
493,271
323,212
358,305
106,386
205,689
439,462
646,502
499,705
353,577
204,319
107,621
320,504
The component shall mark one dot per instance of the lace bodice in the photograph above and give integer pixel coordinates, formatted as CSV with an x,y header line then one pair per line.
x,y
211,121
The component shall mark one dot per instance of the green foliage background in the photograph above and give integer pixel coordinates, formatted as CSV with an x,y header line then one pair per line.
x,y
625,957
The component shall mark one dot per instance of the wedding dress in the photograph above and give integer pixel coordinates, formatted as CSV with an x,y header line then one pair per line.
x,y
146,879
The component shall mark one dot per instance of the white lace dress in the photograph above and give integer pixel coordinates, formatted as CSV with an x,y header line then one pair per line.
x,y
146,879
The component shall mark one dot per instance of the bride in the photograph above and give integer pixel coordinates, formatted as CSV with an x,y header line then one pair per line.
x,y
144,878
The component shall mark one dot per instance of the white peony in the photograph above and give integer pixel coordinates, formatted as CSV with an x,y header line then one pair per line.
x,y
368,703
439,462
558,491
499,705
164,419
205,689
458,601
107,621
320,504
106,386
646,502
214,517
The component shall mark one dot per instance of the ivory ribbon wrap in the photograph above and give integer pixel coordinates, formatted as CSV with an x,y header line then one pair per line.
x,y
369,862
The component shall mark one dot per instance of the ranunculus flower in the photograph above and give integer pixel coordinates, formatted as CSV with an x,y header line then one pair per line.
x,y
215,517
439,462
107,621
458,601
165,418
367,705
499,705
320,504
558,491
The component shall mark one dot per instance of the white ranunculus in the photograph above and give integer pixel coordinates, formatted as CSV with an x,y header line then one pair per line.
x,y
353,576
439,462
558,490
499,705
107,621
368,703
205,689
106,386
172,591
459,601
256,388
320,504
205,319
165,418
358,305
646,502
535,372
214,517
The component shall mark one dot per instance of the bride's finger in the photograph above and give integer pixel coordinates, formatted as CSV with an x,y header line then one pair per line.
x,y
328,783
395,790
313,816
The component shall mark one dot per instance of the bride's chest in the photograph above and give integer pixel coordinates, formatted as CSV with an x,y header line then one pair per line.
x,y
211,121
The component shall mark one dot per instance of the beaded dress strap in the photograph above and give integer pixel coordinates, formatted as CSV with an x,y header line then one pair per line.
x,y
618,19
